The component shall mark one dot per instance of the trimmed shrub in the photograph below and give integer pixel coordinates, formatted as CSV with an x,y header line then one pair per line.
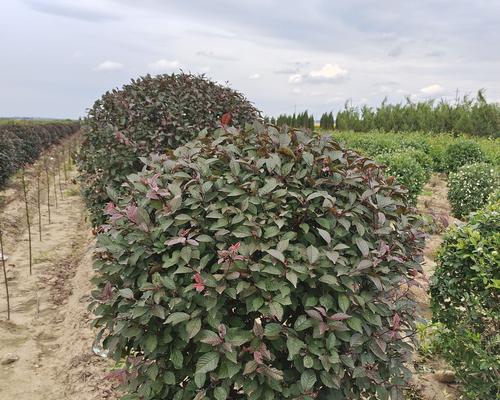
x,y
470,186
259,264
465,292
407,171
150,115
462,153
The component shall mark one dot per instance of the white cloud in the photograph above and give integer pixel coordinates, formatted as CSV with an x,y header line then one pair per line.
x,y
164,65
432,89
295,78
109,66
329,72
296,91
254,76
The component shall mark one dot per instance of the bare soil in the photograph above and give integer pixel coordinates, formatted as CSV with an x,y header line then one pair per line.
x,y
49,331
434,203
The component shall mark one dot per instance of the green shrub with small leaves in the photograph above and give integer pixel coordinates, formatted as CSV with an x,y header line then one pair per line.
x,y
149,115
465,298
462,153
407,170
424,159
470,187
259,264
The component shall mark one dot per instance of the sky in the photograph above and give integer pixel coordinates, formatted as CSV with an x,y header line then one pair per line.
x,y
59,56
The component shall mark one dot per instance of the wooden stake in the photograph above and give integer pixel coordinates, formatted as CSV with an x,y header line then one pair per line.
x,y
48,187
5,275
38,193
27,218
58,160
55,186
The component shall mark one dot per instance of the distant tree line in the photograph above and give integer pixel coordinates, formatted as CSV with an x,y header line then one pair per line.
x,y
474,116
301,120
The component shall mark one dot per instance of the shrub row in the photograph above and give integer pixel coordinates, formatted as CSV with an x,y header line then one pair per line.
x,y
465,298
151,114
21,144
258,264
444,153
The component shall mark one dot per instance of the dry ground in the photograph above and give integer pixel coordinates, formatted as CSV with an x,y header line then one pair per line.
x,y
49,329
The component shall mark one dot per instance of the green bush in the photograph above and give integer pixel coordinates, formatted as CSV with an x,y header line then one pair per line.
x,y
149,115
462,153
423,159
470,186
259,264
465,298
407,171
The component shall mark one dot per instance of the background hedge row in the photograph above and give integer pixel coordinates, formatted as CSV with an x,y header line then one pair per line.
x,y
21,144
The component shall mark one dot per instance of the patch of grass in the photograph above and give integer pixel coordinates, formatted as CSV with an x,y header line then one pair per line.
x,y
72,191
42,257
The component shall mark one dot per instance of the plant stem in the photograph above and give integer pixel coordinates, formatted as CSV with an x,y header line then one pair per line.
x,y
5,275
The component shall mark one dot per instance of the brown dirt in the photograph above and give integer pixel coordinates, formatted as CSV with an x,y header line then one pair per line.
x,y
434,203
49,328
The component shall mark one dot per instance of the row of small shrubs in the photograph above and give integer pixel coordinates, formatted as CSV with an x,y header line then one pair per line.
x,y
254,263
445,153
465,291
22,143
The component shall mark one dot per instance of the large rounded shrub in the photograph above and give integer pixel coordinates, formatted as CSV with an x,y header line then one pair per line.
x,y
461,153
470,187
149,115
407,170
465,292
262,264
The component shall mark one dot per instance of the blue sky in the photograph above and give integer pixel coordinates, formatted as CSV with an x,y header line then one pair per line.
x,y
58,56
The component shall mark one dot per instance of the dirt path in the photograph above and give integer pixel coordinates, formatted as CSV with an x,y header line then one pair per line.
x,y
48,335
433,202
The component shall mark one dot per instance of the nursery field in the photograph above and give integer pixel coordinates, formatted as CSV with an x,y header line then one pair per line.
x,y
181,248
